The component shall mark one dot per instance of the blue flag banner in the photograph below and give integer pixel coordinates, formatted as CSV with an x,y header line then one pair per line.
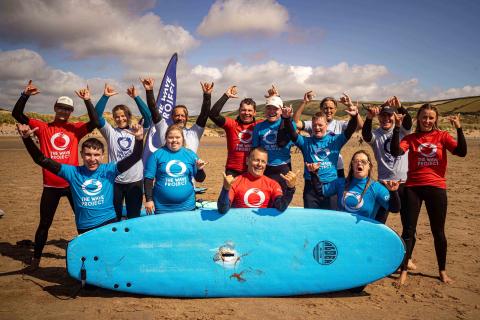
x,y
166,98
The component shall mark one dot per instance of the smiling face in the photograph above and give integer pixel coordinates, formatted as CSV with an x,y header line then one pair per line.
x,y
427,120
257,162
319,126
62,113
121,119
272,113
387,120
174,140
92,158
247,113
360,165
329,108
180,116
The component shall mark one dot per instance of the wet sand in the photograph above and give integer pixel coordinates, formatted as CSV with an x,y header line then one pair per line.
x,y
46,293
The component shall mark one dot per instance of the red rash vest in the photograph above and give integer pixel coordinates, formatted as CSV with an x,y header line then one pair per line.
x,y
239,143
248,191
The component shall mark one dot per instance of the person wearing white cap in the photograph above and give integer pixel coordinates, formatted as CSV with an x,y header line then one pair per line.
x,y
265,135
58,141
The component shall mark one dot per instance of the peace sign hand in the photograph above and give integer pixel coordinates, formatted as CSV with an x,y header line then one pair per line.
x,y
30,89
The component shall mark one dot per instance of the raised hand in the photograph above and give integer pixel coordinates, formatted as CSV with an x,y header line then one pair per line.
x,y
287,111
391,185
352,110
272,92
308,96
30,89
132,92
232,92
84,93
109,90
312,167
150,207
227,181
290,178
25,131
346,100
201,164
207,87
136,130
393,102
455,120
372,112
147,83
398,119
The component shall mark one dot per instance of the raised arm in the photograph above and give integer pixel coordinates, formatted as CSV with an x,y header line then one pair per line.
x,y
18,109
215,115
350,106
461,149
395,149
223,202
407,119
353,122
142,107
286,132
152,107
92,114
127,162
108,91
37,156
207,89
307,97
372,112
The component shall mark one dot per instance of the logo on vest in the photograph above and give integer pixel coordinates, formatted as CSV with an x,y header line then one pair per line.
x,y
254,198
321,154
427,149
245,136
92,187
352,201
173,167
124,143
270,137
60,141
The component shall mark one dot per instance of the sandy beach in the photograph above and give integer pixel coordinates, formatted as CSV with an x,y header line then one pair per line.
x,y
46,293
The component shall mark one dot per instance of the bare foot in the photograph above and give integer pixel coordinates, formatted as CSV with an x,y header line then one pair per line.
x,y
402,279
411,265
444,278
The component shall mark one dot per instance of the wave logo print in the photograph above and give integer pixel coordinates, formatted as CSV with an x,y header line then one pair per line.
x,y
325,252
174,164
270,137
60,141
92,187
245,136
124,143
427,149
321,154
352,201
254,198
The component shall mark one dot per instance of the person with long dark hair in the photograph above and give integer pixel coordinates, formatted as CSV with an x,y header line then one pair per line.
x,y
427,164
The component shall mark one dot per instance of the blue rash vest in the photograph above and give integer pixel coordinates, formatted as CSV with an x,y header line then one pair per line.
x,y
265,135
375,197
173,173
324,150
92,193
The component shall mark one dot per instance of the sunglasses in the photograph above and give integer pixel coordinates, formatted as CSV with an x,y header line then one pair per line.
x,y
362,162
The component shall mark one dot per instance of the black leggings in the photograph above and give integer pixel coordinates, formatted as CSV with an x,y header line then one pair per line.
x,y
436,204
274,172
132,193
48,206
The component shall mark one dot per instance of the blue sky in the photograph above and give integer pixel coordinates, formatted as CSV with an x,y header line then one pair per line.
x,y
417,50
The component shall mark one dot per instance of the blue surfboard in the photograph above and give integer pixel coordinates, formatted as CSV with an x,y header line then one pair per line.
x,y
246,252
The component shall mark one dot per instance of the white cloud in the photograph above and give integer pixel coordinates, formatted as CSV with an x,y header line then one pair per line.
x,y
93,28
457,92
244,17
209,73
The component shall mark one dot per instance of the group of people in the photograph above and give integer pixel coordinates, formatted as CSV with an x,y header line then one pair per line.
x,y
258,172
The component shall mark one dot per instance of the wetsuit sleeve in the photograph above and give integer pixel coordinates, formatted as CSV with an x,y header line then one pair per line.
x,y
407,120
367,130
395,149
214,114
200,176
223,202
203,117
39,158
290,130
281,202
283,137
148,186
18,109
156,116
126,163
461,149
100,109
147,117
351,127
256,138
394,202
92,115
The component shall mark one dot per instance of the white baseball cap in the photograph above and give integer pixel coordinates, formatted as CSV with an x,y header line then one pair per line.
x,y
64,102
274,101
